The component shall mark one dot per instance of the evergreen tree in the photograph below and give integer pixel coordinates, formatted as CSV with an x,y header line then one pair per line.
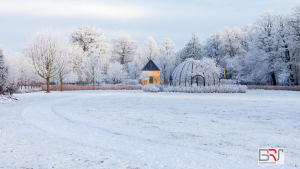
x,y
3,73
192,50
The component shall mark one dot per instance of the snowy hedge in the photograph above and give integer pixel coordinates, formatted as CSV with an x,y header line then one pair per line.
x,y
198,89
150,88
208,89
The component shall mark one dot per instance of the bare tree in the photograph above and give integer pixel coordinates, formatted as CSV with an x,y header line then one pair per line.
x,y
150,48
97,58
47,53
67,67
124,47
166,59
86,36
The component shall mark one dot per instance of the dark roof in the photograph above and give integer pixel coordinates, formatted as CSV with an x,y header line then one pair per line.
x,y
150,66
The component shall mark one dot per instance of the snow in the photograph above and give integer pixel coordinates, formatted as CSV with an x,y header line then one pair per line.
x,y
135,129
6,98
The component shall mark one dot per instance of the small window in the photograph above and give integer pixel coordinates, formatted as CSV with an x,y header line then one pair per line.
x,y
151,80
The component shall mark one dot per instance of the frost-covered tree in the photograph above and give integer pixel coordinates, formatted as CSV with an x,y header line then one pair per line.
x,y
66,71
97,58
136,65
47,51
266,52
293,54
213,45
116,73
233,51
166,59
150,48
134,68
78,61
229,49
266,39
192,50
3,73
124,48
86,36
21,70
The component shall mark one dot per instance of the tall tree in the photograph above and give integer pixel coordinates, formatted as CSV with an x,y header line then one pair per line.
x,y
85,36
294,46
150,49
47,53
97,57
67,67
166,59
136,65
265,49
124,48
116,73
192,50
78,61
3,73
20,70
213,45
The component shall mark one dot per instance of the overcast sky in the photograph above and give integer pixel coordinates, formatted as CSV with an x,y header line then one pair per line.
x,y
20,19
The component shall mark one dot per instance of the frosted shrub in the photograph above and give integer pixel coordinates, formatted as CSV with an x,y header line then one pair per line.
x,y
150,88
131,82
30,89
207,89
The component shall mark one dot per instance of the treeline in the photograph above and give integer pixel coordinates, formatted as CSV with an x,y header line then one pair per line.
x,y
88,57
265,52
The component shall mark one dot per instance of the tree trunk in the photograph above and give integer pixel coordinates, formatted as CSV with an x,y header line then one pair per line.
x,y
204,81
61,85
123,59
48,87
93,84
273,79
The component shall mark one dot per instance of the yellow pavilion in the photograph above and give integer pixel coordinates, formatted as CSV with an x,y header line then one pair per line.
x,y
154,73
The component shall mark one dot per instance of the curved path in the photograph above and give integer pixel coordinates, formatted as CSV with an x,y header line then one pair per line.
x,y
137,151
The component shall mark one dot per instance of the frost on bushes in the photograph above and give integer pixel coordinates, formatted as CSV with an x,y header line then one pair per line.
x,y
198,89
150,88
131,82
207,89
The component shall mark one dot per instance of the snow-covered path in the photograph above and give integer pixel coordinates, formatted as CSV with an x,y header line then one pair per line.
x,y
129,129
135,149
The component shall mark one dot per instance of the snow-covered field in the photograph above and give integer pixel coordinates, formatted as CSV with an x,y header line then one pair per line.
x,y
135,129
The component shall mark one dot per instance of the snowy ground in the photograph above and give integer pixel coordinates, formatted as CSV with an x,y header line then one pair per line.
x,y
135,129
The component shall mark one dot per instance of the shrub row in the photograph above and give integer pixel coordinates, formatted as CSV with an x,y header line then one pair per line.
x,y
150,88
292,88
78,87
198,89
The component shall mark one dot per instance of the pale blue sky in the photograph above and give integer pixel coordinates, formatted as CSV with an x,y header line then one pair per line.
x,y
20,19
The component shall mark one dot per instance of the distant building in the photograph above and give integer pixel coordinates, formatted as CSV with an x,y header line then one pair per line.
x,y
154,73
